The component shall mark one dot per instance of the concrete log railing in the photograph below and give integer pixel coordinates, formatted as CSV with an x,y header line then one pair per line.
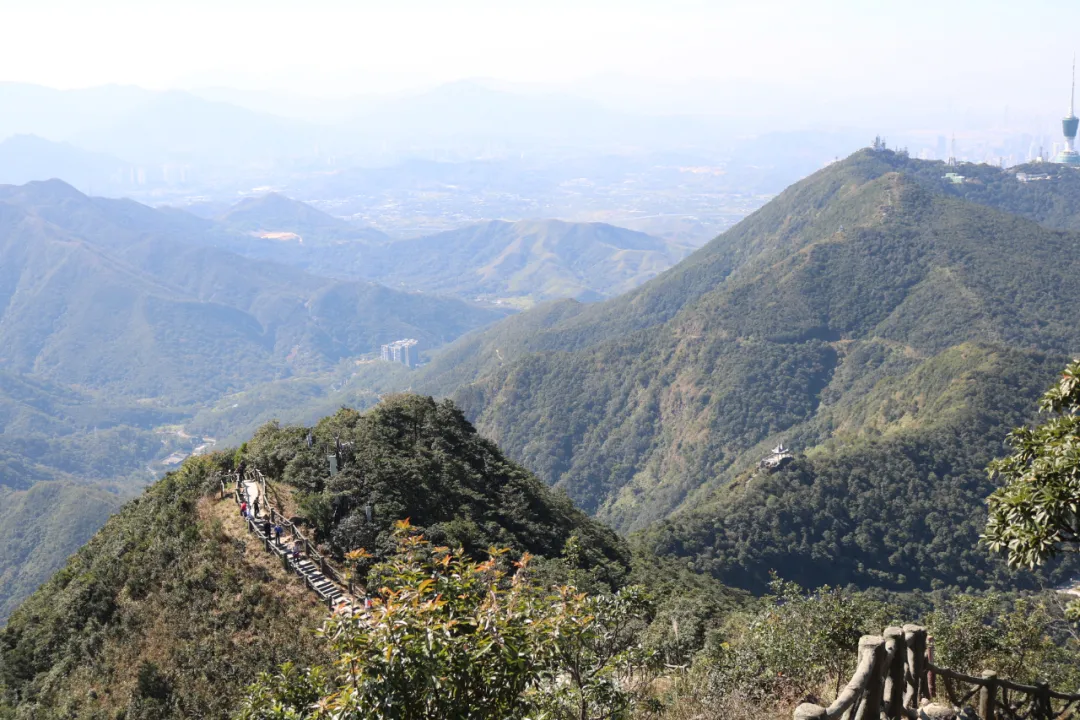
x,y
276,518
894,675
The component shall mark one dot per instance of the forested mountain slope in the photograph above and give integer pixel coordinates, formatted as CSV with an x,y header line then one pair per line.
x,y
119,322
67,460
38,529
168,611
1051,195
800,324
529,261
171,589
275,213
109,295
519,263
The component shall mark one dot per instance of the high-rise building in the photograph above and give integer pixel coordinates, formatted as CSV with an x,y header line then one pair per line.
x,y
405,352
1069,124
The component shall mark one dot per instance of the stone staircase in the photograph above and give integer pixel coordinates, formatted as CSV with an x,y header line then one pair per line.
x,y
314,572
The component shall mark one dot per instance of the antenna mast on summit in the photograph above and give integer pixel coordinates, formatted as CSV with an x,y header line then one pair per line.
x,y
1072,93
952,151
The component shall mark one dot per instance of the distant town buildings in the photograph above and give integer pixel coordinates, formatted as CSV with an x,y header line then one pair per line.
x,y
405,352
1033,177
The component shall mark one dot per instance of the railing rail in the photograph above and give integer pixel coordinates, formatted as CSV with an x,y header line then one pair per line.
x,y
894,674
278,519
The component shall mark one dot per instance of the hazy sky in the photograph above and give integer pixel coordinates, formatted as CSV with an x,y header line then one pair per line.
x,y
987,56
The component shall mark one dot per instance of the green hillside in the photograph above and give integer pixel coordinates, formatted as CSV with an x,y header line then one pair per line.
x,y
106,295
412,457
118,323
530,261
172,582
39,528
1052,200
862,316
275,213
516,263
166,612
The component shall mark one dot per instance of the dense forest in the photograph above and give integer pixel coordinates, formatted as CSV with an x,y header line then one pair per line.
x,y
412,457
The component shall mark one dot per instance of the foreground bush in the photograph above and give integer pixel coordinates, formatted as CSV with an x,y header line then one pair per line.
x,y
449,637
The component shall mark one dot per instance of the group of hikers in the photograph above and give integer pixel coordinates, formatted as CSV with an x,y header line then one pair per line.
x,y
295,548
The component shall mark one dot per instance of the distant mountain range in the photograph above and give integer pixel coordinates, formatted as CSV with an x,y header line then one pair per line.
x,y
275,213
154,127
24,158
214,138
530,261
115,296
118,322
518,263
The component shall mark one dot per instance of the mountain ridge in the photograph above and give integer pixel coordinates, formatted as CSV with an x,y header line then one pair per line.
x,y
159,280
642,406
173,581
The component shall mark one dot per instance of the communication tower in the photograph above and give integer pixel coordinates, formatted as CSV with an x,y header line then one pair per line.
x,y
1069,124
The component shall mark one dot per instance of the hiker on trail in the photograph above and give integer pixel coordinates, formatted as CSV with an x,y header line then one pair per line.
x,y
266,529
297,548
240,469
243,510
277,533
255,506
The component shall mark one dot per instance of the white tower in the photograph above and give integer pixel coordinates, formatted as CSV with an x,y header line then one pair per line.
x,y
1069,124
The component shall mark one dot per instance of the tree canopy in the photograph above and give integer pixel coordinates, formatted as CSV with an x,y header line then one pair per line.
x,y
447,636
1034,514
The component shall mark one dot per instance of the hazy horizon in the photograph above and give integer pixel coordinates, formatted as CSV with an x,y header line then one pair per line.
x,y
965,65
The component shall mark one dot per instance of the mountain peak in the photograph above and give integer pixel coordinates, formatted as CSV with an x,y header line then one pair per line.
x,y
278,213
42,192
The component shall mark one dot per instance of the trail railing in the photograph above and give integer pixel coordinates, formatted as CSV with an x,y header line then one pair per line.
x,y
894,674
278,519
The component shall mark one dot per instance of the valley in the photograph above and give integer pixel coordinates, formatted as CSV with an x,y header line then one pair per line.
x,y
859,319
136,337
539,361
856,318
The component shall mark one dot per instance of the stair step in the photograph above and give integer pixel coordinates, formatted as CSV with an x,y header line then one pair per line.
x,y
307,568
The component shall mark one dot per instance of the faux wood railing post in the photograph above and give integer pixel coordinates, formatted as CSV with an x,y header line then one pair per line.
x,y
1043,709
806,711
931,678
894,684
915,682
874,647
988,696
